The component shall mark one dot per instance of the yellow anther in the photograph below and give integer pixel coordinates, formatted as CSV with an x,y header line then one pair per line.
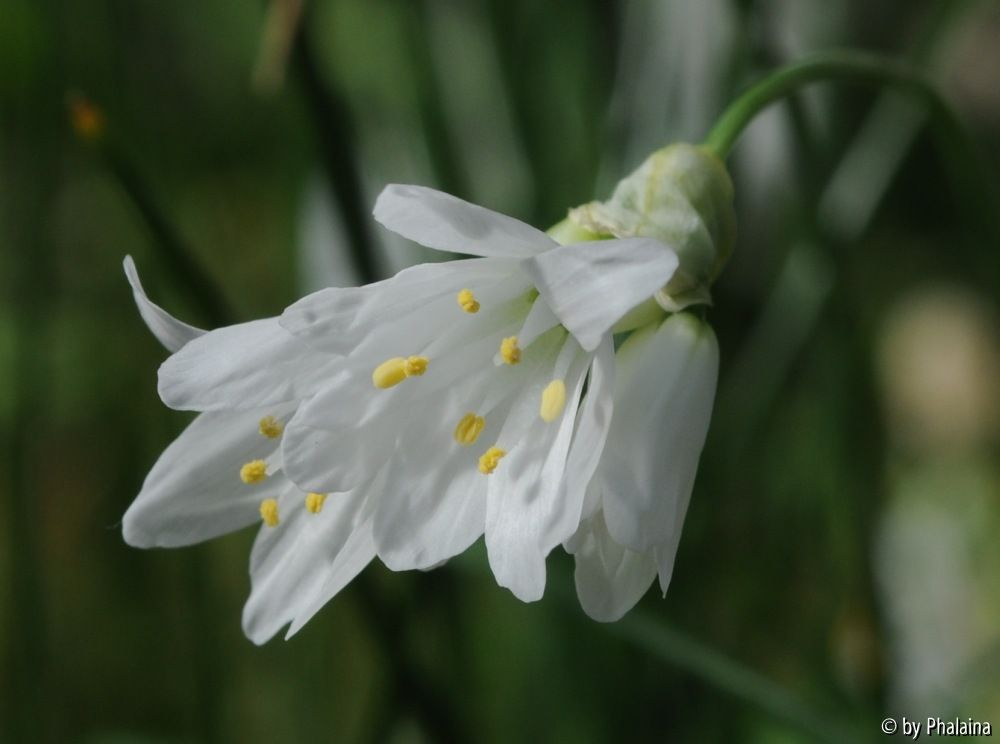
x,y
510,352
253,472
467,301
415,366
393,371
314,502
490,459
269,512
270,427
469,429
553,401
389,373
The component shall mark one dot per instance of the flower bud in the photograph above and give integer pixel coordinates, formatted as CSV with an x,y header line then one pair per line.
x,y
681,195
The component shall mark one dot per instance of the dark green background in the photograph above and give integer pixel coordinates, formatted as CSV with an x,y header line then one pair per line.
x,y
776,628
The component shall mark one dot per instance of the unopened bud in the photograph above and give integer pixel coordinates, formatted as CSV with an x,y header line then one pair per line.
x,y
681,195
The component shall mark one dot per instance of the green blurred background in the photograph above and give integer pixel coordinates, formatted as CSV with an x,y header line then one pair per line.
x,y
840,560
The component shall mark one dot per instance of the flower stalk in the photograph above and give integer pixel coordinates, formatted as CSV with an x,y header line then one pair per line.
x,y
975,187
846,66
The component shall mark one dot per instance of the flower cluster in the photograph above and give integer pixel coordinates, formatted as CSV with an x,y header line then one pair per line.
x,y
407,418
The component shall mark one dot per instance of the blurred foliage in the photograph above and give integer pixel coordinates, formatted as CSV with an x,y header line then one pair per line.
x,y
790,617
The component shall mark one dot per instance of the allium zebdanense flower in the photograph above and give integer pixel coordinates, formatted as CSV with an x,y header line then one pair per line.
x,y
403,419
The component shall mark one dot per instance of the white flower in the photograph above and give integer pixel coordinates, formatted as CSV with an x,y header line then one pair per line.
x,y
406,418
635,506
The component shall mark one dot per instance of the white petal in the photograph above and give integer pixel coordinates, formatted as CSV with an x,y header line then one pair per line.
x,y
592,498
336,320
666,553
525,515
610,579
663,402
540,320
593,424
438,220
194,491
434,506
350,427
590,286
169,331
242,366
320,460
298,565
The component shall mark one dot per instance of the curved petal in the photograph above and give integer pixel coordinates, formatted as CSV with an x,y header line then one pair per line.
x,y
194,492
663,403
242,366
590,286
610,579
447,223
336,320
540,320
593,424
525,513
169,331
666,553
298,565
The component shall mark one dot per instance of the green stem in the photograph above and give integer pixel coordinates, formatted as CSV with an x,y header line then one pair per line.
x,y
966,170
844,66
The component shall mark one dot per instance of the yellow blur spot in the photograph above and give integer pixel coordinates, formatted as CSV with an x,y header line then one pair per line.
x,y
490,459
86,118
314,502
510,352
469,429
253,472
270,427
553,401
269,512
467,301
393,371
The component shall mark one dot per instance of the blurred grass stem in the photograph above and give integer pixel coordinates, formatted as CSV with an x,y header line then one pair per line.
x,y
729,676
338,147
27,642
189,277
441,148
186,272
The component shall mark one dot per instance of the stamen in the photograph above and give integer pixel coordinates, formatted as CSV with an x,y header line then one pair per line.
x,y
469,429
314,502
553,401
415,366
467,301
270,427
510,352
393,371
269,512
253,472
490,459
